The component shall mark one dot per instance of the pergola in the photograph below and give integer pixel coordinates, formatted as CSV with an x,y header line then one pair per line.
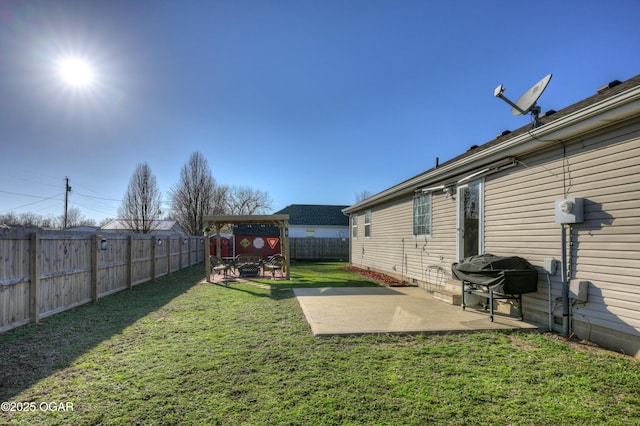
x,y
217,222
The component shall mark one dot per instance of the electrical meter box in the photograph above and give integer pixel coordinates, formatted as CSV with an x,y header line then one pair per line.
x,y
570,210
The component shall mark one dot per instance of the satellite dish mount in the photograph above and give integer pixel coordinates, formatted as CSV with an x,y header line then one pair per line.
x,y
526,104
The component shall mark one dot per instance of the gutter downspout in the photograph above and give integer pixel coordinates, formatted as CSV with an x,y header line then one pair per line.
x,y
349,234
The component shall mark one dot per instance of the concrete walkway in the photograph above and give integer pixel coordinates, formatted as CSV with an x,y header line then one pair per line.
x,y
365,310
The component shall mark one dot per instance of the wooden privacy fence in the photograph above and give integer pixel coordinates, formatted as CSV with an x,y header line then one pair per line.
x,y
44,273
319,248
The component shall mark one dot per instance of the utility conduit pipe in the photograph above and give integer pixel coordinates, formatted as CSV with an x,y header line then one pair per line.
x,y
565,285
550,303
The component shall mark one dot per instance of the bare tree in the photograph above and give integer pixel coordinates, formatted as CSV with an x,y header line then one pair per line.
x,y
141,204
195,195
9,218
243,200
220,194
362,195
30,219
74,218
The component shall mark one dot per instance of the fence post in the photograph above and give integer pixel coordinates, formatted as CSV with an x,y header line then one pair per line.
x,y
35,278
190,239
130,253
168,255
153,258
94,268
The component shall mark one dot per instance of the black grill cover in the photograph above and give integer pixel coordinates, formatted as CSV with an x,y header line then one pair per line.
x,y
507,275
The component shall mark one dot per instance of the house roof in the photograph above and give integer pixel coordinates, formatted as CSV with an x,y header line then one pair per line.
x,y
315,215
613,102
85,228
256,229
156,225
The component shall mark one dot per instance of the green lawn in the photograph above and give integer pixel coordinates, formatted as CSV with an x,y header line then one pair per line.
x,y
180,352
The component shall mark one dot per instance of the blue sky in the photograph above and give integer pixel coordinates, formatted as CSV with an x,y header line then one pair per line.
x,y
311,101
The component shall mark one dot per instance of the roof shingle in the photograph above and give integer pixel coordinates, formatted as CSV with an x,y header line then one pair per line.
x,y
315,215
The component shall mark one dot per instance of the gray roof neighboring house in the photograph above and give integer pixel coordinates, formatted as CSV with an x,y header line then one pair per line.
x,y
307,215
165,227
84,228
315,215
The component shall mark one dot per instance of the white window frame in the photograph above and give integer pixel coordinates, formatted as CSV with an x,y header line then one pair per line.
x,y
354,226
429,216
367,223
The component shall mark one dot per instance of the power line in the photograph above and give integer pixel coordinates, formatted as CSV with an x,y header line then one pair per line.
x,y
39,182
94,191
28,195
30,204
105,212
97,198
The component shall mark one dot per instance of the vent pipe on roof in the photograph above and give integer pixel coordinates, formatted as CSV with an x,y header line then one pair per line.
x,y
614,83
437,162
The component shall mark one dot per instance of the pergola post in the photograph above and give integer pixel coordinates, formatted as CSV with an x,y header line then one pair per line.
x,y
207,253
285,246
218,242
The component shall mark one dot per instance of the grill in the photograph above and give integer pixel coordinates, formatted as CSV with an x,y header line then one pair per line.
x,y
495,277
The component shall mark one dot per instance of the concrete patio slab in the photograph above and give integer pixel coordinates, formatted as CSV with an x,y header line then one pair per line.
x,y
371,310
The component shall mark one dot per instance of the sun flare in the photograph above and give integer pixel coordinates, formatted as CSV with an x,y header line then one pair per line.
x,y
76,72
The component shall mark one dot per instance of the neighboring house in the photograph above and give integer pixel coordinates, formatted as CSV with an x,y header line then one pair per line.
x,y
316,221
504,198
158,227
318,232
84,228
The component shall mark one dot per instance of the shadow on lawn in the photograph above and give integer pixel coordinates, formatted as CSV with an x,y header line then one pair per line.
x,y
33,352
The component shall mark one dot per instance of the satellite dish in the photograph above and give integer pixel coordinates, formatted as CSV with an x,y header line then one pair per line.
x,y
527,102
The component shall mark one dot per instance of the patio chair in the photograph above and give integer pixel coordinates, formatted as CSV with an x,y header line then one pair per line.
x,y
275,263
218,266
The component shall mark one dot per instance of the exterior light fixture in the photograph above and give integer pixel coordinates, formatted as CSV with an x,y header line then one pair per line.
x,y
103,244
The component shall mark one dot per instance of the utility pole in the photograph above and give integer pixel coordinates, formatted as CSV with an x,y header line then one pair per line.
x,y
66,200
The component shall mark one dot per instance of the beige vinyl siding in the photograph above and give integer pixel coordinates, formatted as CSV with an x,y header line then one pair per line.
x,y
394,249
520,220
604,170
383,250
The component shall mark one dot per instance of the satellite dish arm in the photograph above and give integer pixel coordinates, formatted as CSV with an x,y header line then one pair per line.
x,y
498,94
